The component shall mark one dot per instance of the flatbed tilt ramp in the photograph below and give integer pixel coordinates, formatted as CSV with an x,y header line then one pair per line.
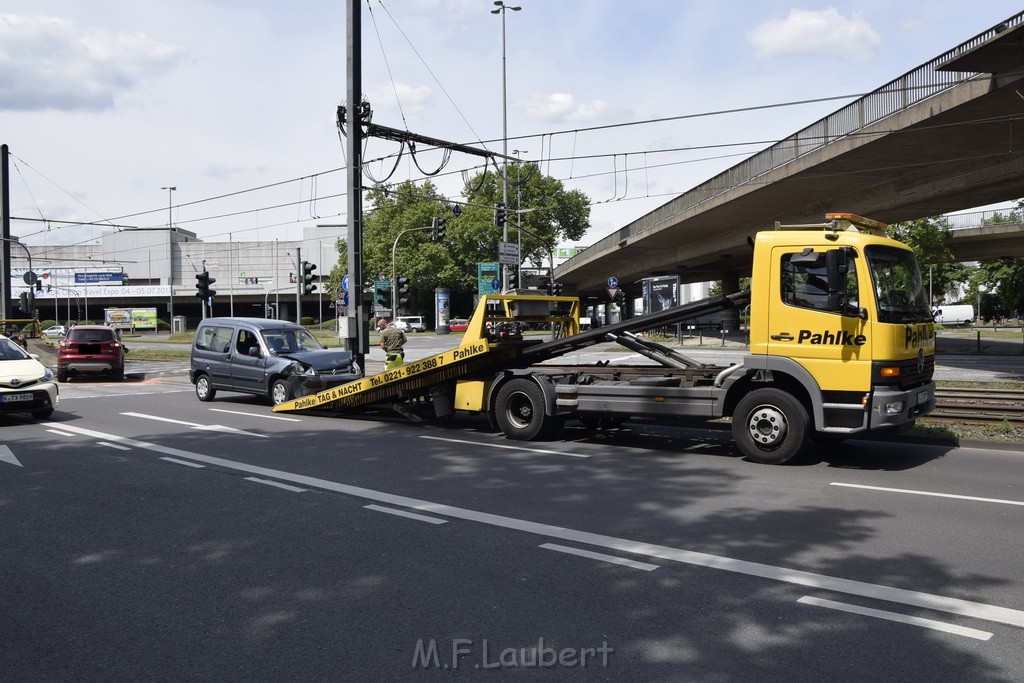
x,y
494,342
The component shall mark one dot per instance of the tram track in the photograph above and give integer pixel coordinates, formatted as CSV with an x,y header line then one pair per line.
x,y
981,406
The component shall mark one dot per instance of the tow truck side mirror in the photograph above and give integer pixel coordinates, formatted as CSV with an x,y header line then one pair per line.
x,y
837,265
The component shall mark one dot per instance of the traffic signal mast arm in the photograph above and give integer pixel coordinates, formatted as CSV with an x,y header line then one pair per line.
x,y
394,259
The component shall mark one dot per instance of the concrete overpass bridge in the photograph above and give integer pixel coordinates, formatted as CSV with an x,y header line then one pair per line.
x,y
945,137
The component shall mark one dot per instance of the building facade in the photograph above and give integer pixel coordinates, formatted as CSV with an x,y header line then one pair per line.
x,y
157,268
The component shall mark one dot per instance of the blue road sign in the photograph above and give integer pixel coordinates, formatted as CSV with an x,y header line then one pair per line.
x,y
344,283
457,210
495,284
613,281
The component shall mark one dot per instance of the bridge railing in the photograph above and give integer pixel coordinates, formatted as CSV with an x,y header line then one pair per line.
x,y
893,97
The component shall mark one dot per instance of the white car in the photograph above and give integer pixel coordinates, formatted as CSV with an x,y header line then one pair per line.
x,y
55,331
26,385
413,323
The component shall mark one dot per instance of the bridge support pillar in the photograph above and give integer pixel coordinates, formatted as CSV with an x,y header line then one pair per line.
x,y
730,285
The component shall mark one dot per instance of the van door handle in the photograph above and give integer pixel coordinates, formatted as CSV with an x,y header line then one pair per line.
x,y
785,336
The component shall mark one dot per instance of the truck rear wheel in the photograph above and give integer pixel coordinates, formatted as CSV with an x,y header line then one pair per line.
x,y
519,410
770,426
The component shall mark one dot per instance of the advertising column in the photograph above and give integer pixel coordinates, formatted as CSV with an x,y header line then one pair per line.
x,y
443,310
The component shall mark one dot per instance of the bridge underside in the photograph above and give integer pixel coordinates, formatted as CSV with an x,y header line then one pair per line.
x,y
957,150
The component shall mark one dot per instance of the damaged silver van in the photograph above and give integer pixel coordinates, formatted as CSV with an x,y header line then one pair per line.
x,y
275,359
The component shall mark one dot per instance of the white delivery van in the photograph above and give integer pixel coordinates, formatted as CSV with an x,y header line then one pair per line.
x,y
951,315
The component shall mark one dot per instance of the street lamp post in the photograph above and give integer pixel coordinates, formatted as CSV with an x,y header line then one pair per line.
x,y
501,8
170,253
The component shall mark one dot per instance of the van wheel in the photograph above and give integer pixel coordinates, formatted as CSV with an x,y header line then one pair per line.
x,y
770,426
204,392
62,375
519,410
280,392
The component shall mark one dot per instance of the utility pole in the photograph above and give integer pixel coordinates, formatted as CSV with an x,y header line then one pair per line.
x,y
358,338
5,218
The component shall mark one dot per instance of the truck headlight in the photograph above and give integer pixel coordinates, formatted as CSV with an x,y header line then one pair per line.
x,y
894,408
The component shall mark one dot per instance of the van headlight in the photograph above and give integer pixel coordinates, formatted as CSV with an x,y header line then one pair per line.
x,y
303,370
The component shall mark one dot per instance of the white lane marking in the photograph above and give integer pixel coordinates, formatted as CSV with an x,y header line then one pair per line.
x,y
270,482
600,556
59,432
403,513
901,618
265,417
196,425
113,445
7,456
968,608
186,463
499,445
929,493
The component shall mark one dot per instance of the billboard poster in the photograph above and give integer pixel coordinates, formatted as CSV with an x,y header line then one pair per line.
x,y
661,293
130,318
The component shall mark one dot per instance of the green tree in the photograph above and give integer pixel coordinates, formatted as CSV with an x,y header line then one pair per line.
x,y
547,212
555,215
927,237
998,284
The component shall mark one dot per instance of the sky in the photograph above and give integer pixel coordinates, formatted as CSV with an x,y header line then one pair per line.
x,y
233,102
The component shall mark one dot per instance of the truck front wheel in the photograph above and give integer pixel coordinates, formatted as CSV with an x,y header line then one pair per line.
x,y
519,410
770,426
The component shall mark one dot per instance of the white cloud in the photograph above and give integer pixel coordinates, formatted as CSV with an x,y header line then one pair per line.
x,y
562,106
49,63
823,32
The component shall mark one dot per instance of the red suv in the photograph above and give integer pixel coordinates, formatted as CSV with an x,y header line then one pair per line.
x,y
90,349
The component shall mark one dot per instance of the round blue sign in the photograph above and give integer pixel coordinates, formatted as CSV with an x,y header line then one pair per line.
x,y
344,283
613,281
495,284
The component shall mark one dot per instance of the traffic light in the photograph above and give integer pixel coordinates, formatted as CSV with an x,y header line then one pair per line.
x,y
24,306
556,288
500,217
620,297
306,274
437,230
403,291
203,282
39,286
513,279
382,298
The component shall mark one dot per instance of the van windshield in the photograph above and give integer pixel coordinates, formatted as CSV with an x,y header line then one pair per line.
x,y
290,341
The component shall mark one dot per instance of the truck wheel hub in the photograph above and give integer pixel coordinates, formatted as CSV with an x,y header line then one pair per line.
x,y
767,425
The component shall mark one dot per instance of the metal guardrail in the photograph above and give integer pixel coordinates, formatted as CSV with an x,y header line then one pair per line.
x,y
892,98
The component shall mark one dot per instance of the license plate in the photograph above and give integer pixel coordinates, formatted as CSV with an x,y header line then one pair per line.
x,y
14,398
922,397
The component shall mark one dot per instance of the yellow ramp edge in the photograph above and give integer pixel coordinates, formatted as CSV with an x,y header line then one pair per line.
x,y
448,365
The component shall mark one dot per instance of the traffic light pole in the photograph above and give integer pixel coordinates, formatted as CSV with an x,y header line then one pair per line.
x,y
299,284
394,269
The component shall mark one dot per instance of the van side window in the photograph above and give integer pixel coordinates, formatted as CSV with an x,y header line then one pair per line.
x,y
246,340
214,338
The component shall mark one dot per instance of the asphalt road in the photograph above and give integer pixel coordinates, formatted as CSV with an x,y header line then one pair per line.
x,y
148,536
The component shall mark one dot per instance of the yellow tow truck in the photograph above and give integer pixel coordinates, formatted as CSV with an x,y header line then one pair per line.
x,y
841,343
